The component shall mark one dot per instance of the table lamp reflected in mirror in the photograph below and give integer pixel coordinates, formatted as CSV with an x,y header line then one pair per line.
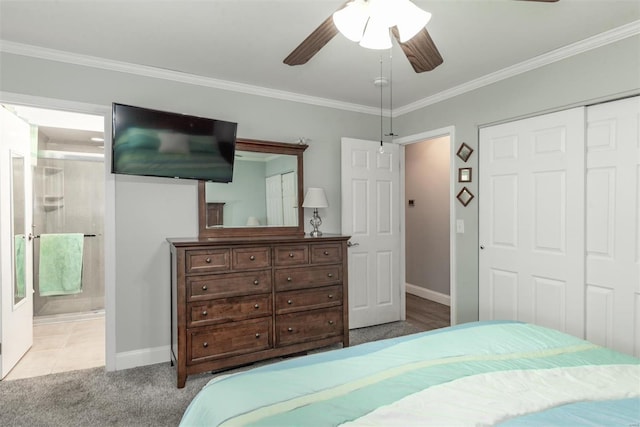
x,y
315,198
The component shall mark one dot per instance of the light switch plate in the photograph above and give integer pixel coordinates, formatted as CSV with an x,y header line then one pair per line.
x,y
460,226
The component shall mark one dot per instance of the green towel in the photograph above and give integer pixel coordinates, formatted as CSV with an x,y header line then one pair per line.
x,y
20,266
61,264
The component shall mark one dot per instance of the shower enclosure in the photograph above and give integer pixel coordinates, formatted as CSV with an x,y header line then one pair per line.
x,y
68,191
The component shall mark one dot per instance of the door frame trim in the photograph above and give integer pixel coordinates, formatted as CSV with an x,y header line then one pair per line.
x,y
411,139
109,213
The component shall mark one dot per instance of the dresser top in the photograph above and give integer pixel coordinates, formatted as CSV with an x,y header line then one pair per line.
x,y
200,241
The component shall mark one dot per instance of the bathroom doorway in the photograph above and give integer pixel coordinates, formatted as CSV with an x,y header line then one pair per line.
x,y
67,151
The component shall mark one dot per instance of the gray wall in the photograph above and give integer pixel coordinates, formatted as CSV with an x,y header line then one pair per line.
x,y
599,74
150,209
427,222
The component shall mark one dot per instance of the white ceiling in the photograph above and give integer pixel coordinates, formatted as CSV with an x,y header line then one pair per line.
x,y
245,41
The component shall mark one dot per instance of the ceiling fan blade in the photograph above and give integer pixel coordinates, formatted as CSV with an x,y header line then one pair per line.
x,y
313,43
421,51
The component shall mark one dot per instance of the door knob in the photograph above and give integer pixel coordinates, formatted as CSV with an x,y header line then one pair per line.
x,y
481,246
349,244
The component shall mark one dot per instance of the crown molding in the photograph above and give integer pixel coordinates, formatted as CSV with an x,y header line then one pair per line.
x,y
590,43
175,76
582,46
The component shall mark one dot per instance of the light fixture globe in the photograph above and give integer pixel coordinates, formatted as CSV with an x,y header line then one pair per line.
x,y
352,19
376,35
410,20
369,21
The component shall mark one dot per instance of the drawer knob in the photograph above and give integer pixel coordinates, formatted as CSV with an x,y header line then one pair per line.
x,y
330,275
289,302
257,335
290,329
205,287
208,260
205,344
330,296
255,282
256,306
326,252
204,312
331,322
290,254
289,279
252,258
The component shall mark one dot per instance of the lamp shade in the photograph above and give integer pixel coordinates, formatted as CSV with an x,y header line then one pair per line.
x,y
315,198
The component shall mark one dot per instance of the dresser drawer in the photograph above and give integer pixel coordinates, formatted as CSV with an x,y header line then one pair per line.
x,y
208,260
308,326
227,340
308,299
326,254
291,255
228,285
245,258
300,278
229,309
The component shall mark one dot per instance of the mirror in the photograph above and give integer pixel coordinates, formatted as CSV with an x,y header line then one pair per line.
x,y
264,197
18,227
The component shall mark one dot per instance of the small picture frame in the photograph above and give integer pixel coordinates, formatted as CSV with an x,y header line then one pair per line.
x,y
465,196
464,175
464,152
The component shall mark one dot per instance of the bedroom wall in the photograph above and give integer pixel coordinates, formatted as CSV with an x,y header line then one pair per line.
x,y
600,74
148,210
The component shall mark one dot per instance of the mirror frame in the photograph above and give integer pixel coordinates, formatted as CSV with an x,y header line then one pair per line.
x,y
261,147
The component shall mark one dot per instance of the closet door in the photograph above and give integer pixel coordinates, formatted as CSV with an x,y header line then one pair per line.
x,y
531,202
613,225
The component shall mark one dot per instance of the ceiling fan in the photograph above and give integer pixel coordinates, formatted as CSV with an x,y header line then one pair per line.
x,y
420,50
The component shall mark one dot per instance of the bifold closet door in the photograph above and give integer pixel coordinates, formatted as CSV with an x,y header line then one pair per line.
x,y
613,225
531,208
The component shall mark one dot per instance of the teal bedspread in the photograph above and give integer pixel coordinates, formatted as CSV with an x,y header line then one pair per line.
x,y
483,373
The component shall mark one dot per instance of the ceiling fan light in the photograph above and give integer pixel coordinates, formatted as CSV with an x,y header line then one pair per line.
x,y
411,21
352,19
376,36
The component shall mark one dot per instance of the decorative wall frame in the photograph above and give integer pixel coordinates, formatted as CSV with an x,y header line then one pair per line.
x,y
464,175
465,196
464,152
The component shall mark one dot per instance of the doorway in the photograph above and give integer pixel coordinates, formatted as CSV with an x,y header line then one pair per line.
x,y
428,233
68,200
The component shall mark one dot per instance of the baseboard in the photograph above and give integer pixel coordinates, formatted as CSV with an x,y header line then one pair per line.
x,y
143,357
428,294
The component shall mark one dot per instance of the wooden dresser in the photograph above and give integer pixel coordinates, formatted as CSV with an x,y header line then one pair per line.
x,y
240,300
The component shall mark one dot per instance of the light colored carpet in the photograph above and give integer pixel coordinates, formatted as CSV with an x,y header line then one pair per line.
x,y
144,396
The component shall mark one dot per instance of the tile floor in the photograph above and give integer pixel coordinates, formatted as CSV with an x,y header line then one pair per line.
x,y
63,346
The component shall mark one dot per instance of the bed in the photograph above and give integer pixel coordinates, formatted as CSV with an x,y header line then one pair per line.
x,y
482,373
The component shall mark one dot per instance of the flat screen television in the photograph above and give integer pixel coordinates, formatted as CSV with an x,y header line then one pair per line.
x,y
158,143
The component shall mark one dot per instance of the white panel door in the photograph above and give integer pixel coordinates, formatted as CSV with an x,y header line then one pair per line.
x,y
613,225
370,215
531,208
289,199
16,320
274,200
